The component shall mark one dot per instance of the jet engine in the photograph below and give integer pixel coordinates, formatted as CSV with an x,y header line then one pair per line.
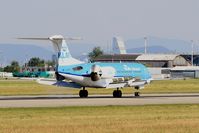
x,y
96,73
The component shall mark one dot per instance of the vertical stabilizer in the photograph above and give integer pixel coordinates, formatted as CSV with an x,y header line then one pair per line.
x,y
118,46
63,54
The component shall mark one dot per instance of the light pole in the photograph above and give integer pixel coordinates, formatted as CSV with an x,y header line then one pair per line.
x,y
1,59
145,44
192,43
197,63
1,64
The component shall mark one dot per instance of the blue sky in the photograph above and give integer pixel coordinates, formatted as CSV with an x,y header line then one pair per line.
x,y
97,21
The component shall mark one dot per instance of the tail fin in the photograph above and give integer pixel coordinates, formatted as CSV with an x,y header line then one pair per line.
x,y
64,57
118,45
63,53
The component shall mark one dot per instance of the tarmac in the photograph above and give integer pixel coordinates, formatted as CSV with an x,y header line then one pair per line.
x,y
97,100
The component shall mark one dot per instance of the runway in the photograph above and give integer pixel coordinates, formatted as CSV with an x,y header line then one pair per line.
x,y
96,100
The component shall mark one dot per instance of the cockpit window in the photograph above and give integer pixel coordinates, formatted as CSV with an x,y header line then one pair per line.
x,y
78,68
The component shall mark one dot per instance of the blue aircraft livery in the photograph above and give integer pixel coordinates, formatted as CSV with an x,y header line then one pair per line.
x,y
71,72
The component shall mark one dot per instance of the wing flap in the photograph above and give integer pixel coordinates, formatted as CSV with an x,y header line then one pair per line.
x,y
118,85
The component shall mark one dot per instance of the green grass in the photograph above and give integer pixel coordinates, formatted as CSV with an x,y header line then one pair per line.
x,y
21,87
173,86
114,119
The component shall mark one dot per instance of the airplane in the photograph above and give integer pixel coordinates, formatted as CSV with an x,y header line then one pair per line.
x,y
74,73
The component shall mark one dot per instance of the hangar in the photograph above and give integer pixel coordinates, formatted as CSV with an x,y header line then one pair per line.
x,y
195,58
162,60
150,60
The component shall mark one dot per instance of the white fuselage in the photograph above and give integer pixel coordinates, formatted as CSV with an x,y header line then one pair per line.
x,y
86,81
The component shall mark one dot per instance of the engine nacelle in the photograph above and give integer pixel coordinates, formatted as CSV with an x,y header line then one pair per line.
x,y
95,76
98,72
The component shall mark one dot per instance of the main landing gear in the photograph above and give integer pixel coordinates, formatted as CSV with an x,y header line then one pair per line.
x,y
117,93
137,94
83,93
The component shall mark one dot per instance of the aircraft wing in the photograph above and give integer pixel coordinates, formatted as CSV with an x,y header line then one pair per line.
x,y
128,83
58,83
119,84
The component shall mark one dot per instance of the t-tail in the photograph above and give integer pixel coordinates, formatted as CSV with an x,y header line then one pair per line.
x,y
63,55
118,46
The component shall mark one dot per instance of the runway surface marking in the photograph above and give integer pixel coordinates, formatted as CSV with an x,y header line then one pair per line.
x,y
96,100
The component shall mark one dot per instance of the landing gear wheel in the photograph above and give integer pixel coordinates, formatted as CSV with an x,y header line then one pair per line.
x,y
117,93
137,94
114,93
83,93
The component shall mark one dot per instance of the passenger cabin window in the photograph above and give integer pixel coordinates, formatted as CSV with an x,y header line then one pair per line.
x,y
78,68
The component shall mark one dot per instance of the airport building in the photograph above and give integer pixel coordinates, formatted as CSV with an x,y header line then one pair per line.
x,y
150,60
185,72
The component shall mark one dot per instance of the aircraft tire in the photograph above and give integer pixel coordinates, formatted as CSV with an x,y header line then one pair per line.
x,y
117,93
83,93
137,94
114,93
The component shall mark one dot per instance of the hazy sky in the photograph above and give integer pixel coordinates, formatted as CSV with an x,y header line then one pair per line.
x,y
97,21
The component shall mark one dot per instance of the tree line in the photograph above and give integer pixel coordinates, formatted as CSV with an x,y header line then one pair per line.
x,y
37,62
33,62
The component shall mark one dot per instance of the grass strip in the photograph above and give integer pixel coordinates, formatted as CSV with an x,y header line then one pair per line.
x,y
114,119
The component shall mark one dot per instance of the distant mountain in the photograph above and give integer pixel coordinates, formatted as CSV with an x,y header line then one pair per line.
x,y
156,44
22,53
151,49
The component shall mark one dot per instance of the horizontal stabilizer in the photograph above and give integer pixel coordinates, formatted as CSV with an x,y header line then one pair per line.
x,y
34,38
58,83
55,37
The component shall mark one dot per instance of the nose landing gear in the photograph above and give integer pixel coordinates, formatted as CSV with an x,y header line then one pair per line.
x,y
137,94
